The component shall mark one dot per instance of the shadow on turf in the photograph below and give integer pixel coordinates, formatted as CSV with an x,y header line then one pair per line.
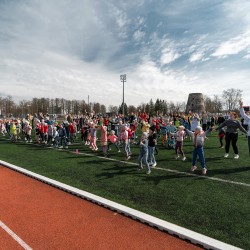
x,y
117,170
228,170
123,169
157,179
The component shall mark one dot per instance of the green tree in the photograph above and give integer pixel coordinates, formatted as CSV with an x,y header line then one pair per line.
x,y
120,110
151,107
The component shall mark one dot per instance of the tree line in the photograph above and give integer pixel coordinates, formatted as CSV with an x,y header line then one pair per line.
x,y
228,101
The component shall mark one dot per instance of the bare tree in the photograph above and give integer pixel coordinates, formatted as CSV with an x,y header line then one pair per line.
x,y
9,105
217,104
232,98
63,105
213,105
113,110
171,107
141,108
76,107
57,109
97,107
23,108
68,106
84,107
103,109
180,107
1,105
132,109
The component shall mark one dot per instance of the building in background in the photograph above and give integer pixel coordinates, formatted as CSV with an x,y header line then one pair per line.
x,y
195,103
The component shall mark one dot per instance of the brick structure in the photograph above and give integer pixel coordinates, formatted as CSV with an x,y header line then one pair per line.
x,y
195,103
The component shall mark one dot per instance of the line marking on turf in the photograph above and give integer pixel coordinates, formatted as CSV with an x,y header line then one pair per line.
x,y
14,236
172,171
163,169
181,232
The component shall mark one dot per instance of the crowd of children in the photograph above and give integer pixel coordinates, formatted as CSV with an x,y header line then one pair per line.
x,y
120,132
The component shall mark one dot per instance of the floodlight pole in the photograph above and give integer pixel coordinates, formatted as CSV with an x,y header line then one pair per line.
x,y
123,79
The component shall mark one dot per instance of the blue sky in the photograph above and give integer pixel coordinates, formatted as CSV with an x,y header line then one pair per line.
x,y
167,48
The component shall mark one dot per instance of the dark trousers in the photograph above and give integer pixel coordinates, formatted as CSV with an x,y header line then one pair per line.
x,y
221,141
231,138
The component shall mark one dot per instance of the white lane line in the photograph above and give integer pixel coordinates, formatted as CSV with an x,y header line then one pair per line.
x,y
181,232
14,236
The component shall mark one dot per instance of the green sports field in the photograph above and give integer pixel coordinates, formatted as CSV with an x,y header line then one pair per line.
x,y
216,205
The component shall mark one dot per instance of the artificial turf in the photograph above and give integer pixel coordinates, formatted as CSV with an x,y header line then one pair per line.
x,y
209,206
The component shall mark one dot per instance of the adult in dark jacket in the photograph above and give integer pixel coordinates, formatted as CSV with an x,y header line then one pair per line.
x,y
232,125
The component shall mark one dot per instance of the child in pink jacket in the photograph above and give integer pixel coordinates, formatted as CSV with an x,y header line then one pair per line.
x,y
113,140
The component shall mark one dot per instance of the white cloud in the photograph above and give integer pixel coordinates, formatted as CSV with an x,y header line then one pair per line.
x,y
169,56
73,49
138,35
233,46
196,57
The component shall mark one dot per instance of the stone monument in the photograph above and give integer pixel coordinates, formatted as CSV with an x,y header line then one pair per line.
x,y
195,103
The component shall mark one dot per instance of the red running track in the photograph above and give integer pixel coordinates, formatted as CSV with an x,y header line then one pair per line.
x,y
48,218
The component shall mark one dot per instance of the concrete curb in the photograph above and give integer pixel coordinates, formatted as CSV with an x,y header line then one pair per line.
x,y
183,233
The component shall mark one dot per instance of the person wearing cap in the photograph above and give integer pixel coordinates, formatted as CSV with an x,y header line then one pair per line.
x,y
198,137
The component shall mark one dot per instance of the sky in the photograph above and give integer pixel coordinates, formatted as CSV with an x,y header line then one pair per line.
x,y
77,49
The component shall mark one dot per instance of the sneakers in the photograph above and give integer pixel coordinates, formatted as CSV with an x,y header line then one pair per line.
x,y
148,172
154,165
140,168
184,158
193,168
177,157
119,151
236,157
204,171
226,155
128,157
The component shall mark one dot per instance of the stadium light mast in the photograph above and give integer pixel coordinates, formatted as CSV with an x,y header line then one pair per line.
x,y
123,79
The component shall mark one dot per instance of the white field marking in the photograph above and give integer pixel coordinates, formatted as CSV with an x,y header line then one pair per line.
x,y
170,228
14,236
174,171
163,169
